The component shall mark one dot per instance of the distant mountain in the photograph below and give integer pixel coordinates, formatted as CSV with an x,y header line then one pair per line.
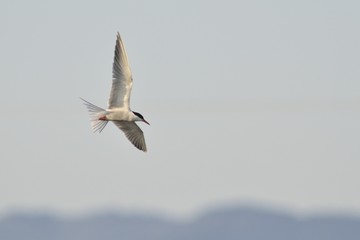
x,y
221,224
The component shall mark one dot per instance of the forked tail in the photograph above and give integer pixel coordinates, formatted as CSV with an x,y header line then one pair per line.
x,y
95,113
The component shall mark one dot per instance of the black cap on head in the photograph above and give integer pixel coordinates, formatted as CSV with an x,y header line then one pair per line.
x,y
138,114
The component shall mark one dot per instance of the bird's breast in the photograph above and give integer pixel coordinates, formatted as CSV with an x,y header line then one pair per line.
x,y
119,115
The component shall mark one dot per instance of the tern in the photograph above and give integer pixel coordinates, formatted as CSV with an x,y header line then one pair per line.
x,y
118,110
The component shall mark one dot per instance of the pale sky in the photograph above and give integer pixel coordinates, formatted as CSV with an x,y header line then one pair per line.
x,y
249,102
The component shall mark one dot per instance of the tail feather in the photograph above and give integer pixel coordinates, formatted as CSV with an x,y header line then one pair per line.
x,y
95,112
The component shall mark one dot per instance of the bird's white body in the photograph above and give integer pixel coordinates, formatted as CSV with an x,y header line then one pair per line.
x,y
120,114
118,110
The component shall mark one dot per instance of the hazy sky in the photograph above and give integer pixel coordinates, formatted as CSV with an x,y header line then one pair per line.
x,y
249,102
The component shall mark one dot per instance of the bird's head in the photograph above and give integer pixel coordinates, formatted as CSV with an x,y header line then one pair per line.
x,y
139,117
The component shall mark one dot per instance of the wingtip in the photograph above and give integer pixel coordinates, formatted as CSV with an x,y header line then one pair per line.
x,y
141,148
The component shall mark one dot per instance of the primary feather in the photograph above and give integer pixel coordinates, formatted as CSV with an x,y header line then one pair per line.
x,y
122,79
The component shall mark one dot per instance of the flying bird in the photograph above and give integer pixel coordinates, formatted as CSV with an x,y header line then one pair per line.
x,y
118,110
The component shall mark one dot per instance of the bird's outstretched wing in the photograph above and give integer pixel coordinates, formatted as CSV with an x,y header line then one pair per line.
x,y
133,133
122,79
